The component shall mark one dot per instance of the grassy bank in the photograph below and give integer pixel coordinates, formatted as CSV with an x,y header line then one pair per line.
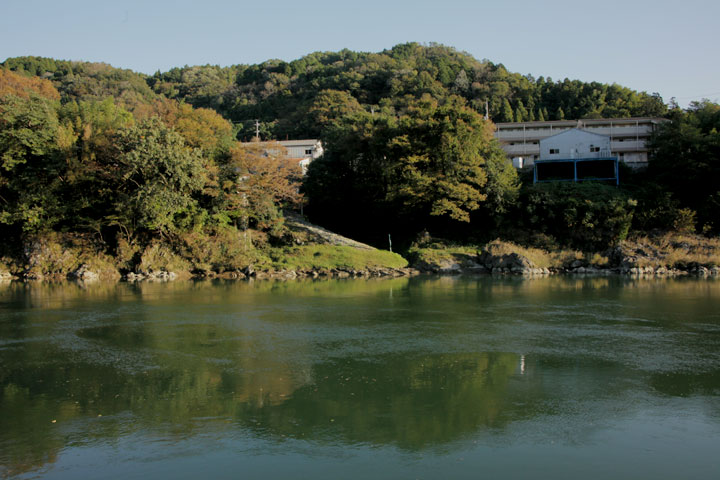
x,y
668,251
442,254
328,257
60,256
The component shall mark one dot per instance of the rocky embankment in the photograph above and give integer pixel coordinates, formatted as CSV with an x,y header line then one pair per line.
x,y
309,252
328,255
663,256
483,262
84,274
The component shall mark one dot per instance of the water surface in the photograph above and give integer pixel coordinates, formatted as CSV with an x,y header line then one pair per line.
x,y
405,378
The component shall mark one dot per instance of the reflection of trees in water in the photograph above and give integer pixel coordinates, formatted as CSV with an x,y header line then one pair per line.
x,y
66,294
685,384
409,402
412,403
178,375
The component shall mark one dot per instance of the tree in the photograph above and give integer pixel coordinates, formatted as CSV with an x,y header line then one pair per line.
x,y
258,181
586,216
424,168
438,159
12,83
200,127
507,111
521,113
330,106
157,176
29,166
685,160
462,83
27,129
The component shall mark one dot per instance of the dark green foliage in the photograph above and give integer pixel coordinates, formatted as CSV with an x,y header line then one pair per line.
x,y
86,80
31,164
685,160
587,216
157,176
407,150
429,167
281,94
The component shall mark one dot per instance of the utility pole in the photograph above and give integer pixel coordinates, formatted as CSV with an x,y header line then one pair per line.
x,y
487,111
257,130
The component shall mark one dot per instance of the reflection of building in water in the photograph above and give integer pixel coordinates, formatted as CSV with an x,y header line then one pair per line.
x,y
522,364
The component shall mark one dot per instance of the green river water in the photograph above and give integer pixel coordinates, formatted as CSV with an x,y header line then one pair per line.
x,y
428,378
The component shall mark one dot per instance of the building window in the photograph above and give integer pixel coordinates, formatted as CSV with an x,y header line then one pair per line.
x,y
553,151
594,149
308,152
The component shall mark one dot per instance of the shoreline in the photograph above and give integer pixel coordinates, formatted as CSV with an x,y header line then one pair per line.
x,y
375,274
661,255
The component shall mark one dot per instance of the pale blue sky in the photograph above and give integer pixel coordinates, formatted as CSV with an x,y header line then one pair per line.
x,y
654,46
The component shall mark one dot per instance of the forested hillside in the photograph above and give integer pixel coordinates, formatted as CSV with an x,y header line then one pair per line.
x,y
142,167
286,96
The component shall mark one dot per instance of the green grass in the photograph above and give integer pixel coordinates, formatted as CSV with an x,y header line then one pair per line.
x,y
331,256
436,254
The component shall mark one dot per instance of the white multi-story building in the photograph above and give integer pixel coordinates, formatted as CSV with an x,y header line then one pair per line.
x,y
628,137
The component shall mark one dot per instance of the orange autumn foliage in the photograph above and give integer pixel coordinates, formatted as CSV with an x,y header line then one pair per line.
x,y
12,83
266,171
201,127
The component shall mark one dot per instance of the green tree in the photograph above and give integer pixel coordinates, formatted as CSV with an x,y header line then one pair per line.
x,y
507,111
586,216
30,168
426,168
157,176
685,160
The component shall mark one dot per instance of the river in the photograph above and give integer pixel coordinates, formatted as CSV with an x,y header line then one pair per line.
x,y
425,377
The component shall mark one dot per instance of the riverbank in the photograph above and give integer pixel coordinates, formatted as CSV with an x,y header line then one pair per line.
x,y
313,252
303,250
667,254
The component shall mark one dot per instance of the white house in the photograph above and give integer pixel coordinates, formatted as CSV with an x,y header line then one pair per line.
x,y
575,155
305,151
574,143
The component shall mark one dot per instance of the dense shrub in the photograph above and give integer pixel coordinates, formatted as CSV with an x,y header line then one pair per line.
x,y
587,216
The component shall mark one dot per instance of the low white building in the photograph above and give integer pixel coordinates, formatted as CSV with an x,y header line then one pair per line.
x,y
311,149
628,137
574,144
575,155
305,151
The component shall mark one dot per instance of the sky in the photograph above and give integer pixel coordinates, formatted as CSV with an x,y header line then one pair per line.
x,y
669,47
